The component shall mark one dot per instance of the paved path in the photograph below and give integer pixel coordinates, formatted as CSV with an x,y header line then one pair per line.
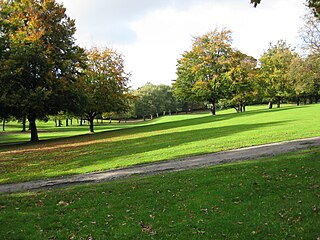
x,y
165,166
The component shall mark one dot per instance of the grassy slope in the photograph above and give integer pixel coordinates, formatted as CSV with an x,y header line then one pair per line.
x,y
166,138
272,198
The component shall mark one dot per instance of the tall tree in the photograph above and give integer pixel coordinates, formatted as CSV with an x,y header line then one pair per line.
x,y
242,75
203,71
41,60
275,64
104,84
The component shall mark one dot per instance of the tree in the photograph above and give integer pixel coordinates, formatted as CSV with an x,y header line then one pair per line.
x,y
310,34
275,64
40,60
242,75
104,84
304,76
202,72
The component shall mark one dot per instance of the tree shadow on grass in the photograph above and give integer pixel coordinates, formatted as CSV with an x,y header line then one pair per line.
x,y
148,127
111,152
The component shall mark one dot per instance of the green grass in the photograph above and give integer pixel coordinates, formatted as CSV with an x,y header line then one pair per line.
x,y
162,139
271,198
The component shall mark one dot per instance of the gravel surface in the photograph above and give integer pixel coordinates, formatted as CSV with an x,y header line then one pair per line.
x,y
241,154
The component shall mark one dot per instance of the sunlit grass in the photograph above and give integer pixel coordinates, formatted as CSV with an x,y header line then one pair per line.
x,y
165,138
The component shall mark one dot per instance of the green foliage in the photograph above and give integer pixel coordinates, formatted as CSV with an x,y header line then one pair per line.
x,y
270,198
275,64
202,72
104,84
154,99
41,60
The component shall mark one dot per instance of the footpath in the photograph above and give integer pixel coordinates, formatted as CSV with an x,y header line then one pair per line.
x,y
248,153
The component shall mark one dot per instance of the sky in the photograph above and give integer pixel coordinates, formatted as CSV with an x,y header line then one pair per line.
x,y
152,34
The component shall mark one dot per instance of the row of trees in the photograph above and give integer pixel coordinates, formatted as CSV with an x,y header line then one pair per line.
x,y
215,72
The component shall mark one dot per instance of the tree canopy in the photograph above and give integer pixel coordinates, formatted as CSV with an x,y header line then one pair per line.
x,y
104,83
40,60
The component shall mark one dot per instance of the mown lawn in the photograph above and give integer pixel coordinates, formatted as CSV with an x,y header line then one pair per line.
x,y
163,139
271,198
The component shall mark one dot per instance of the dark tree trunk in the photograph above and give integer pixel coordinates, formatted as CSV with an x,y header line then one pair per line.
x,y
24,121
270,104
311,100
91,121
81,122
3,124
71,121
110,120
55,123
244,108
317,98
278,102
33,128
144,118
213,107
298,101
305,100
67,122
60,123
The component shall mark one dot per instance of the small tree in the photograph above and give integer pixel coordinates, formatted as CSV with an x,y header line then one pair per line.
x,y
104,84
275,64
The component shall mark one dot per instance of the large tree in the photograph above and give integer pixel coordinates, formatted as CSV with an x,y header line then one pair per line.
x,y
202,71
275,64
40,59
104,84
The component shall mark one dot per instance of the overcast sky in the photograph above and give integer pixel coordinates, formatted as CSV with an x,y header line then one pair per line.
x,y
152,34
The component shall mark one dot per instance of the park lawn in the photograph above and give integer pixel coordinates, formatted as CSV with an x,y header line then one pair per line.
x,y
269,198
166,138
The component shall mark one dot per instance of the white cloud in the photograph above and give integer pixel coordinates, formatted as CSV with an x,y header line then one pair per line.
x,y
153,34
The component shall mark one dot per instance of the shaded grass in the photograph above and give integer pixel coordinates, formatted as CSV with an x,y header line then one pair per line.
x,y
163,139
270,198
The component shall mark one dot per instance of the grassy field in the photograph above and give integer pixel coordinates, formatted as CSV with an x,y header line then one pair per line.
x,y
162,139
271,198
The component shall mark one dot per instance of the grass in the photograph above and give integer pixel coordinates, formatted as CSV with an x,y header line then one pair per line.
x,y
163,139
270,198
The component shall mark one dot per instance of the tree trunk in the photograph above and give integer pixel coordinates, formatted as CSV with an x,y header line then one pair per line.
x,y
144,118
71,121
305,100
91,121
67,122
55,123
24,121
151,116
3,124
81,122
170,112
110,120
317,98
60,123
311,100
298,101
164,113
213,107
270,104
244,108
33,128
278,102
157,115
